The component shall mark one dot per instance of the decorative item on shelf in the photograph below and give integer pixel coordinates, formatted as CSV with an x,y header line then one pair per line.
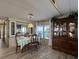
x,y
30,25
54,18
73,14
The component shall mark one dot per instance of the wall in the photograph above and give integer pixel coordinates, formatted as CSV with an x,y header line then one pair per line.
x,y
50,33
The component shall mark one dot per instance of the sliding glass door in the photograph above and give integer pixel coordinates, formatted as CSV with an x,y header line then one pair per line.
x,y
43,31
39,31
46,31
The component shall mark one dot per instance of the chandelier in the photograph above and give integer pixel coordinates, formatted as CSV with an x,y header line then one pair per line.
x,y
30,25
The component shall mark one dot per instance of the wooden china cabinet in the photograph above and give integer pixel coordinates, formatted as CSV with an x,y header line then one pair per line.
x,y
65,35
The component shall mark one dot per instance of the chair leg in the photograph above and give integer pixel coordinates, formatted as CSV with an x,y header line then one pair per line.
x,y
22,51
17,49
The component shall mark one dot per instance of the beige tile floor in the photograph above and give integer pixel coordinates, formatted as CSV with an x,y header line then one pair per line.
x,y
44,52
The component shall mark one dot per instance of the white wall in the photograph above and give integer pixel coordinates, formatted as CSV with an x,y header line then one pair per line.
x,y
50,34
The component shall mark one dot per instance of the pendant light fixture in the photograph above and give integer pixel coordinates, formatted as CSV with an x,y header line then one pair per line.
x,y
30,25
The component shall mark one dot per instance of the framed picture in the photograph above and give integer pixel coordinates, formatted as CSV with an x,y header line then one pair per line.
x,y
12,28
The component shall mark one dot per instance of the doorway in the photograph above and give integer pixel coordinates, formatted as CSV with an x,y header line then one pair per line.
x,y
43,32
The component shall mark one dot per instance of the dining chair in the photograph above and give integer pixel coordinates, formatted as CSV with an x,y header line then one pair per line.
x,y
17,46
35,39
20,43
34,44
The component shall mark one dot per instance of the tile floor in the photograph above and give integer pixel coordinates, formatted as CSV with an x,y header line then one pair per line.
x,y
44,52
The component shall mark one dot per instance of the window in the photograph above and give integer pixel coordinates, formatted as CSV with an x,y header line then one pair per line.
x,y
21,28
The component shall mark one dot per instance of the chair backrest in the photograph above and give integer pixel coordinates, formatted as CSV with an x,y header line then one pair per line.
x,y
34,38
26,34
17,37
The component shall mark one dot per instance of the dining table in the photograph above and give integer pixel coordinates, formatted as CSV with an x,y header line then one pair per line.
x,y
22,41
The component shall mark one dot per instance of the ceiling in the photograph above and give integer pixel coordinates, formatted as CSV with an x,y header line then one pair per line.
x,y
41,9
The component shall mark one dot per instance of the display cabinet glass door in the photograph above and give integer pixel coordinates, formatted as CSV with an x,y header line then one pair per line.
x,y
63,30
72,30
60,29
56,29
